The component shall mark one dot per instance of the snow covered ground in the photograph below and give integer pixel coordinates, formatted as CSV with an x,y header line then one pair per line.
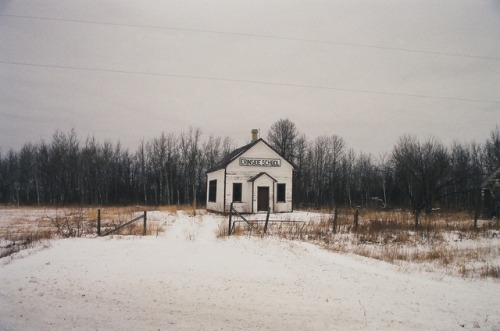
x,y
188,279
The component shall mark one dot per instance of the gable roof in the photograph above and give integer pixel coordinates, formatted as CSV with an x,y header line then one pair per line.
x,y
254,178
239,151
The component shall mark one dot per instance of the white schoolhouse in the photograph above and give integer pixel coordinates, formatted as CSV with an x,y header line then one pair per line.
x,y
254,178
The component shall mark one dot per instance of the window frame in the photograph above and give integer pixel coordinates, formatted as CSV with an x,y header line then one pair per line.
x,y
240,186
212,190
281,192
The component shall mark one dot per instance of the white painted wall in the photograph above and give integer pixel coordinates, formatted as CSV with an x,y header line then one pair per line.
x,y
246,194
283,207
219,203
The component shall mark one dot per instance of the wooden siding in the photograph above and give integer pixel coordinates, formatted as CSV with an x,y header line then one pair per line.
x,y
219,202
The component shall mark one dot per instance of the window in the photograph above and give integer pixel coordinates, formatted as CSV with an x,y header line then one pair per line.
x,y
212,191
281,192
236,192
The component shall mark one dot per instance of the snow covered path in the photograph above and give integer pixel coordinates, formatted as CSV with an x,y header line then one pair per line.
x,y
187,279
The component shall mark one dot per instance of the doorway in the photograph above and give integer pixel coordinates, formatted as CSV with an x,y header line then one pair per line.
x,y
262,198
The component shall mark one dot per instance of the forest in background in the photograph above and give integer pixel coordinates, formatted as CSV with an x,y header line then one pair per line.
x,y
418,175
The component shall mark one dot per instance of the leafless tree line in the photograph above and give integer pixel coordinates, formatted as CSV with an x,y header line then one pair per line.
x,y
415,175
170,169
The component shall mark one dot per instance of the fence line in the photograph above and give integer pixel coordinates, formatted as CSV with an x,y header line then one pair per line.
x,y
143,216
254,224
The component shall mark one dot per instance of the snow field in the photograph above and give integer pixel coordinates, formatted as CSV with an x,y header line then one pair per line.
x,y
187,279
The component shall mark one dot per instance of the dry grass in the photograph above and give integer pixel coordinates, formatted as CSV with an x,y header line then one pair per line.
x,y
137,229
31,225
111,218
73,222
15,242
239,230
222,231
490,271
52,222
188,209
445,241
115,216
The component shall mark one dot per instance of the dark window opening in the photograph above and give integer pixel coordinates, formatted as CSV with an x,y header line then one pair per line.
x,y
281,192
212,191
237,192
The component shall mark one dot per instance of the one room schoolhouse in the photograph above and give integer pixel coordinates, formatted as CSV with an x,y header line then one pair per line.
x,y
254,178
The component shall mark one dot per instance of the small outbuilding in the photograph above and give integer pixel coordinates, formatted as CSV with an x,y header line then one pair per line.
x,y
490,190
254,178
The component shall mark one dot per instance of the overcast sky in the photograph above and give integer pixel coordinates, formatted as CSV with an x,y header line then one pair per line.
x,y
368,71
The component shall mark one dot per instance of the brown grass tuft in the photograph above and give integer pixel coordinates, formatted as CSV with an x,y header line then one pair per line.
x,y
489,270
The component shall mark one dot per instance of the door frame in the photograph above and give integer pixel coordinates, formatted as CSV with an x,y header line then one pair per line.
x,y
267,196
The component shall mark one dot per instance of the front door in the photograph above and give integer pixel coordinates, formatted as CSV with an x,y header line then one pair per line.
x,y
262,198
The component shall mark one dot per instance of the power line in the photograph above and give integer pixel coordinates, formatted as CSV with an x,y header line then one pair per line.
x,y
263,36
245,81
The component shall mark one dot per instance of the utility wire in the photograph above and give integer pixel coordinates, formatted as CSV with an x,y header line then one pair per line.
x,y
245,81
263,36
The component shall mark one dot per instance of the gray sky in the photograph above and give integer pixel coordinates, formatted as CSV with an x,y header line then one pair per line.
x,y
368,71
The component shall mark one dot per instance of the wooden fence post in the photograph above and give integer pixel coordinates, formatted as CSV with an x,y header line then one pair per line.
x,y
98,222
145,218
356,215
335,215
230,218
267,220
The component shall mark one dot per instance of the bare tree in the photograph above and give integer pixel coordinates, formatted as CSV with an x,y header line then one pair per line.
x,y
383,168
422,171
190,161
64,157
476,175
157,154
318,156
28,173
365,176
348,163
283,136
105,158
12,174
212,152
301,175
492,151
227,146
335,154
141,158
